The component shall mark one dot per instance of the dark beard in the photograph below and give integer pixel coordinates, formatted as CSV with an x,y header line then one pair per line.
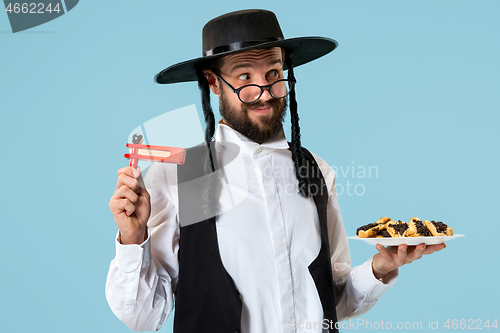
x,y
239,120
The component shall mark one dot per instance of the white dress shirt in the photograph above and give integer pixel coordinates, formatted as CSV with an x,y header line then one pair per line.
x,y
268,235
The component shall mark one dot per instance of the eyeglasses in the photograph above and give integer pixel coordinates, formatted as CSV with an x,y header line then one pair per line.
x,y
252,92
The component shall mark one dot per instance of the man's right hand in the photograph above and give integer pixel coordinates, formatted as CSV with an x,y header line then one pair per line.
x,y
131,206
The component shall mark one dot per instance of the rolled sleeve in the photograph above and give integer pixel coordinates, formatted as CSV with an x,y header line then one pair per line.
x,y
366,286
130,256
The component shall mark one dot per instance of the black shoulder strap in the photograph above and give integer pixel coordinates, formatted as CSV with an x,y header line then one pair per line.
x,y
321,268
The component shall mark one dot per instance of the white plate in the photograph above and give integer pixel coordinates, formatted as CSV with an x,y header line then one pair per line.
x,y
406,240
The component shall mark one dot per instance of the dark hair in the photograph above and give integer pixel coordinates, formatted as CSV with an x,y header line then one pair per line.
x,y
295,146
207,112
211,190
216,64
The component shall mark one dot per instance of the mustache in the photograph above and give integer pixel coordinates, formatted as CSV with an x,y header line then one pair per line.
x,y
260,104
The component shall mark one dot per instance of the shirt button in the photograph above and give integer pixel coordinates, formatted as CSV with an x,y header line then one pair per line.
x,y
258,150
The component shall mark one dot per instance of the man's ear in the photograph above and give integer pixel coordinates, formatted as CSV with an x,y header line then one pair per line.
x,y
212,81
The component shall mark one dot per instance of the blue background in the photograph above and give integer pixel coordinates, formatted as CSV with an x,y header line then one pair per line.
x,y
413,89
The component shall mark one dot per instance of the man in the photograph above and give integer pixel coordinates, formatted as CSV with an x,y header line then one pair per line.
x,y
278,261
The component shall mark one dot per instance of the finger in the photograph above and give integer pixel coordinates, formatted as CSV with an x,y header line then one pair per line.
x,y
128,207
434,248
140,180
128,170
126,180
122,205
386,251
416,252
402,254
125,174
126,192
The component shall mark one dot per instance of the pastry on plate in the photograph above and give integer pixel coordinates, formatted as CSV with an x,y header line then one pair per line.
x,y
370,230
438,228
416,228
382,234
384,227
383,220
397,228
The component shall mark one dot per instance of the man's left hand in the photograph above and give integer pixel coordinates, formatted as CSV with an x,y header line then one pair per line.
x,y
390,258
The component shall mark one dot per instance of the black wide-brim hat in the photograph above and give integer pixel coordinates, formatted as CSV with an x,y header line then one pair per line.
x,y
242,31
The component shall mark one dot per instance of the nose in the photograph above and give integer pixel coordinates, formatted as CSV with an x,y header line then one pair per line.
x,y
266,95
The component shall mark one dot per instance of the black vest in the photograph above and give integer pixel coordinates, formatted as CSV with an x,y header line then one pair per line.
x,y
206,299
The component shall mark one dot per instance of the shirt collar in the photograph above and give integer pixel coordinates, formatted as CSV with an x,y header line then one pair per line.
x,y
225,133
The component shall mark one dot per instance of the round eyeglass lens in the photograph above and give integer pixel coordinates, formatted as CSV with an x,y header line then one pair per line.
x,y
278,90
251,93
